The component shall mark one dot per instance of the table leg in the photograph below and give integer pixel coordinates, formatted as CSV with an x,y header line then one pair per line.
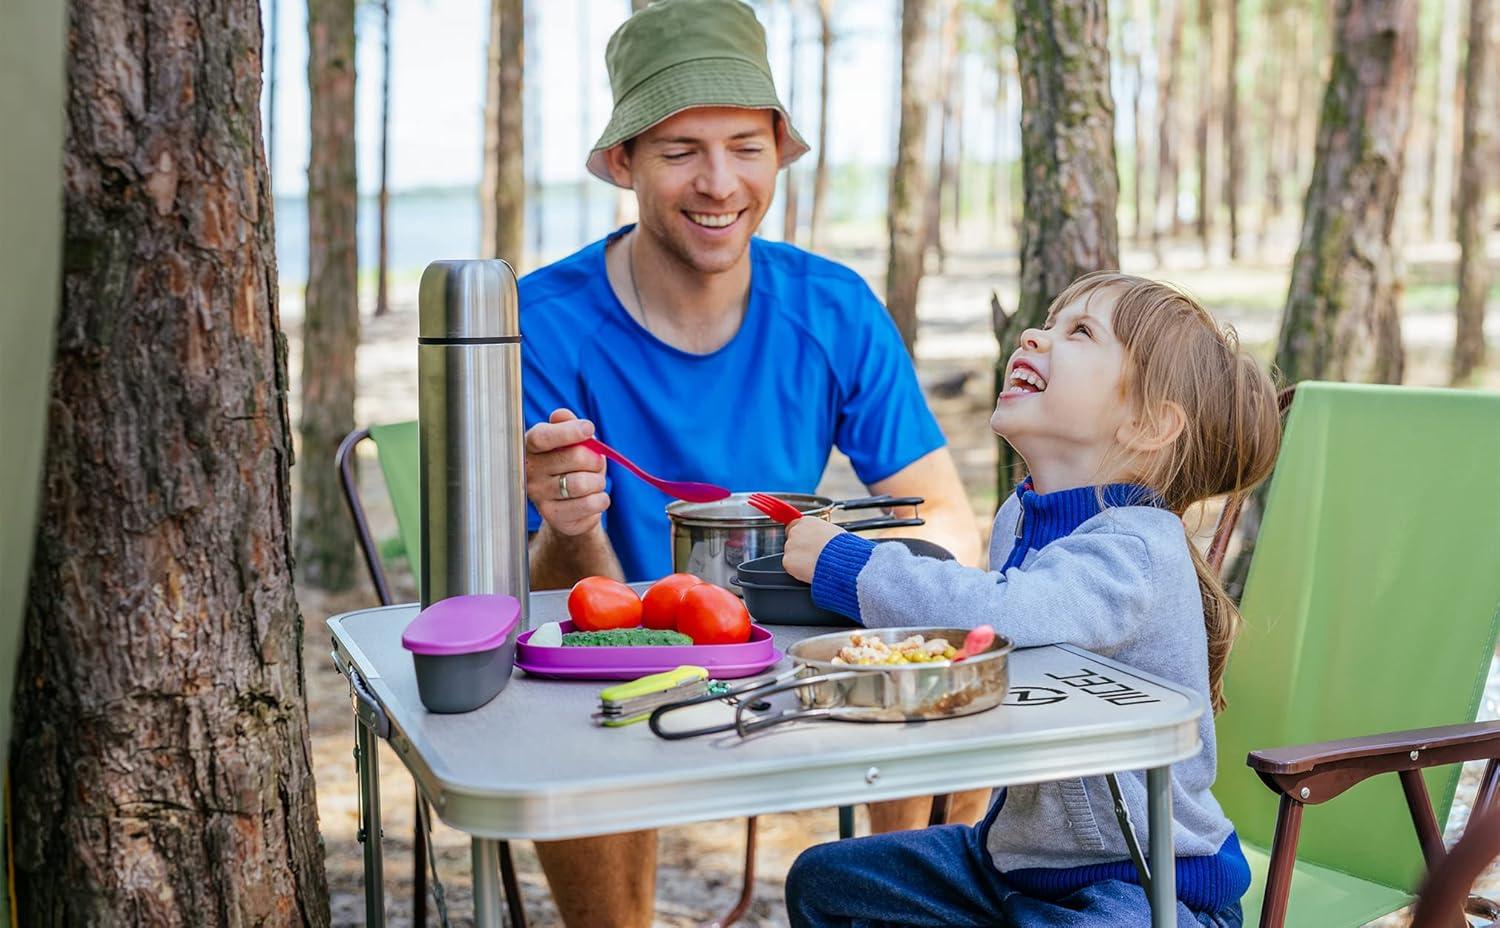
x,y
1162,856
484,854
367,762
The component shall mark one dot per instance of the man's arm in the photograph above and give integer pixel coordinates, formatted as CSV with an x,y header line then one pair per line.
x,y
950,521
558,561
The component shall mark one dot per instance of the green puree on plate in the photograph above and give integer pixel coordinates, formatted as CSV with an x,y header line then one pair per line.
x,y
625,637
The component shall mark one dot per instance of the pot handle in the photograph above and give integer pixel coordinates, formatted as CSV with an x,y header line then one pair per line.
x,y
745,727
865,525
881,502
752,688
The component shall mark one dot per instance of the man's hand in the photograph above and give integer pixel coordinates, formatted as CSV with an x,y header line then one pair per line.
x,y
565,484
805,540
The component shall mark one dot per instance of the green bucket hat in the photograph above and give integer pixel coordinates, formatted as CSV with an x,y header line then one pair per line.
x,y
675,55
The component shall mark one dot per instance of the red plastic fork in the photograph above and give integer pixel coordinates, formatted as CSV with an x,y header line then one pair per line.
x,y
682,489
780,510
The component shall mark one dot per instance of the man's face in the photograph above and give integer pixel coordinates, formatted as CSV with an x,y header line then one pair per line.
x,y
703,179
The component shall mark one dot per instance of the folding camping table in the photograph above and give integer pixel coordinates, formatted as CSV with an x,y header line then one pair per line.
x,y
533,765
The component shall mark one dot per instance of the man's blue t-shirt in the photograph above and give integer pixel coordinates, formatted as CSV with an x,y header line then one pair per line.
x,y
817,362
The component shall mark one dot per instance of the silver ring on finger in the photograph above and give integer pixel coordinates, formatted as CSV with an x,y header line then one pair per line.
x,y
562,486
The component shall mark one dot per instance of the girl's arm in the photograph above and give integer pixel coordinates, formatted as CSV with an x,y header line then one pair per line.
x,y
1089,588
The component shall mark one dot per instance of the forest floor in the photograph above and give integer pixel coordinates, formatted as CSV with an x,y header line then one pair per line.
x,y
699,869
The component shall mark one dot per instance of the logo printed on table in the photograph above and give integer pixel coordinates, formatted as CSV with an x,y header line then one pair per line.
x,y
1033,696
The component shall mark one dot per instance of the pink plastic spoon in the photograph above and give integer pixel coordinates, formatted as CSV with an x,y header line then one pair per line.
x,y
682,489
976,641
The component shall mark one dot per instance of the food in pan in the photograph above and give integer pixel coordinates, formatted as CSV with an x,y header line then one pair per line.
x,y
864,650
625,638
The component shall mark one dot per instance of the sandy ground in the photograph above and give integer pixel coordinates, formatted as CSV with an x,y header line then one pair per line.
x,y
699,871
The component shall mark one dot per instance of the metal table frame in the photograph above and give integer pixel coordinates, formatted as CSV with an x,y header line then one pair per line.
x,y
726,777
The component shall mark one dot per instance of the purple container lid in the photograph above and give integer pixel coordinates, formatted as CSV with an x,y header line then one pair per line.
x,y
462,625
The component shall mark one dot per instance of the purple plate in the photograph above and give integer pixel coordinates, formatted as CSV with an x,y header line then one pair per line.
x,y
722,661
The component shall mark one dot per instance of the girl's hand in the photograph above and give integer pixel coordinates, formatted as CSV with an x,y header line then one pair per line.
x,y
805,540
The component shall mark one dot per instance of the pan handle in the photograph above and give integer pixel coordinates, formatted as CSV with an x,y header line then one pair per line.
x,y
866,525
752,688
745,727
884,501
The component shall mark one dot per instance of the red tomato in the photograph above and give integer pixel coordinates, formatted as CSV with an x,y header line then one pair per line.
x,y
712,615
598,603
659,605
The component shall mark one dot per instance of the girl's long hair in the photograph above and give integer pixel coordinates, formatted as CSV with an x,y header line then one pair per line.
x,y
1176,353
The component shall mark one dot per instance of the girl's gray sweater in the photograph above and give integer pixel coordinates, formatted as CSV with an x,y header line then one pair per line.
x,y
1121,584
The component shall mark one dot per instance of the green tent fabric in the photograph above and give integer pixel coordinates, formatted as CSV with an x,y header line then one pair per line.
x,y
1371,606
397,446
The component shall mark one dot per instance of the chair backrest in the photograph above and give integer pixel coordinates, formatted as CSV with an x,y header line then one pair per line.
x,y
1371,606
396,447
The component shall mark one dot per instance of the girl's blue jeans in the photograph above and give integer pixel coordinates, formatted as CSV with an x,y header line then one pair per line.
x,y
943,878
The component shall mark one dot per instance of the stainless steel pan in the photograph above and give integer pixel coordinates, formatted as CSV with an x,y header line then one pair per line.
x,y
865,693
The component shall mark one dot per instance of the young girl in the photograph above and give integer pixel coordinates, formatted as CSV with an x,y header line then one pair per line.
x,y
1128,405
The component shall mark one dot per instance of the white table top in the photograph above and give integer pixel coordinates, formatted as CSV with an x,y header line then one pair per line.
x,y
532,764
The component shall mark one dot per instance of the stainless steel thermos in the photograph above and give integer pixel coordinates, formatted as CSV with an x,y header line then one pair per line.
x,y
473,494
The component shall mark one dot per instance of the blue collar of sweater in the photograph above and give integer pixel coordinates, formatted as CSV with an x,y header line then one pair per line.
x,y
1046,517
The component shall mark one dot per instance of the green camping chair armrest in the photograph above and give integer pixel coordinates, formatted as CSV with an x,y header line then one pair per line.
x,y
1328,768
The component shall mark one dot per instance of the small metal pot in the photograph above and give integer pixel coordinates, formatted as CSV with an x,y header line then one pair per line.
x,y
710,540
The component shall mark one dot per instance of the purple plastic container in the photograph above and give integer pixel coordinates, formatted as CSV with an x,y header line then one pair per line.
x,y
723,661
463,648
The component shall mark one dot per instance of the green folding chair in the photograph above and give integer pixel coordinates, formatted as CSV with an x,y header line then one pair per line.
x,y
1371,606
396,448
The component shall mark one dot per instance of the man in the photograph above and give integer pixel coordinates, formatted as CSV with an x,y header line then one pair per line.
x,y
704,355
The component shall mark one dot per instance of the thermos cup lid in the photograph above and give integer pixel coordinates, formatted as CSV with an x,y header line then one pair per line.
x,y
463,301
462,624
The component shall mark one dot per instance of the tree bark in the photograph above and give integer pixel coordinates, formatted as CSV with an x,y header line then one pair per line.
x,y
1067,143
330,328
789,176
942,176
1440,157
1207,104
820,172
502,192
1169,50
1342,318
1481,98
161,772
909,176
1232,127
383,259
1135,56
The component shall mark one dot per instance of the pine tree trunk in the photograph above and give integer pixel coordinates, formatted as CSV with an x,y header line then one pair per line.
x,y
625,206
1139,139
1166,152
272,63
1232,128
1206,105
942,175
909,176
1000,198
1342,320
1481,98
1441,154
1067,142
502,192
789,176
820,173
330,328
161,769
383,259
1273,93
